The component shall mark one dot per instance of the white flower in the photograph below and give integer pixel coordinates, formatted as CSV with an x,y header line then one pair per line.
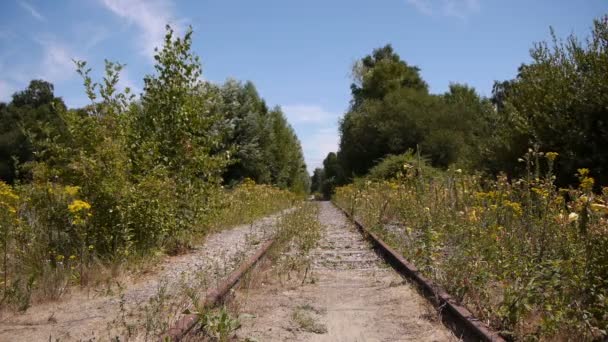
x,y
573,217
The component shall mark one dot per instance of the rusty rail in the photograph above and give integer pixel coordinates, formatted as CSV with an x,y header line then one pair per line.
x,y
455,316
214,296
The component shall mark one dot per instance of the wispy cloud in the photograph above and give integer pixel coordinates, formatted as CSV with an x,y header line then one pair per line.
x,y
150,18
309,114
31,10
449,8
317,145
317,129
57,61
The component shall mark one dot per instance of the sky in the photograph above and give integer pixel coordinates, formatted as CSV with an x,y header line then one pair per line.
x,y
297,53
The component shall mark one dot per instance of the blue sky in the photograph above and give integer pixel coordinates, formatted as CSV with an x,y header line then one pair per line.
x,y
298,53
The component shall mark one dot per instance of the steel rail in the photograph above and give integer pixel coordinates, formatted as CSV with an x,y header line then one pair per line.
x,y
214,296
455,316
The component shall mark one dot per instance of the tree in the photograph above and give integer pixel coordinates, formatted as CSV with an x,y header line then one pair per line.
x,y
178,124
383,71
332,174
317,179
558,103
33,116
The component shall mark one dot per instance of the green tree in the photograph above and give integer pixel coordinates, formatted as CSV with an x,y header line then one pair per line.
x,y
559,103
33,116
317,179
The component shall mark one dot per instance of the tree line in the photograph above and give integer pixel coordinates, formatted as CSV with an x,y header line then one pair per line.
x,y
558,103
229,121
129,176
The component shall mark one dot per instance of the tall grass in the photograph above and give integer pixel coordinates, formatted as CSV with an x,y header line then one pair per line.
x,y
523,255
55,236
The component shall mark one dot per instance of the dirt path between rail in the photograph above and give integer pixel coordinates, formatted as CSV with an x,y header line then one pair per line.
x,y
145,306
354,296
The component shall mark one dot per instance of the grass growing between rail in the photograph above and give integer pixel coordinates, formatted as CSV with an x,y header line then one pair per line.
x,y
523,255
298,234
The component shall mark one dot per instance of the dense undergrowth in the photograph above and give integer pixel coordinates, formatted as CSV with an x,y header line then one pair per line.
x,y
527,257
122,181
49,239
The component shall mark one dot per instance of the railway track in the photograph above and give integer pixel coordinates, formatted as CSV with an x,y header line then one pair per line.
x,y
351,294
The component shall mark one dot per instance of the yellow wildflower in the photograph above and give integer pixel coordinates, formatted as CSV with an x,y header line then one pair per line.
x,y
78,205
514,206
71,190
600,207
573,217
552,155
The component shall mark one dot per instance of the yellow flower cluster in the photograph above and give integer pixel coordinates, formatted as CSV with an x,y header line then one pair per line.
x,y
71,190
514,206
78,206
551,155
8,198
586,181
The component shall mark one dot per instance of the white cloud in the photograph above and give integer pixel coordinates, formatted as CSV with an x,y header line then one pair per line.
x,y
6,90
449,8
317,145
57,61
308,114
31,10
150,18
317,129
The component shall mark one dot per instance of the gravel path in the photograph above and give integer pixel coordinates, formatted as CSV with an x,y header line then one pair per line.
x,y
145,305
355,297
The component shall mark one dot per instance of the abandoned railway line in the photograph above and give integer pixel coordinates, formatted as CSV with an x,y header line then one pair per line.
x,y
354,288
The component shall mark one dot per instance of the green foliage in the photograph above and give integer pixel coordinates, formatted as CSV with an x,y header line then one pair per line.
x,y
516,253
34,114
119,180
317,179
382,72
218,324
392,112
558,102
392,167
332,175
265,147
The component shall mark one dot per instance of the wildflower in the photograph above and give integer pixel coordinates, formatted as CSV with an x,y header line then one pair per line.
x,y
71,190
458,171
514,206
552,155
587,183
78,205
473,216
573,217
540,192
599,207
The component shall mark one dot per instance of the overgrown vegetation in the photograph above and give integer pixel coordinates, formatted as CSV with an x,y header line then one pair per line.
x,y
128,177
459,184
523,254
298,233
556,103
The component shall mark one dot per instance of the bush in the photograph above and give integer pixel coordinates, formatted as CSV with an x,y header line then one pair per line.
x,y
524,255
